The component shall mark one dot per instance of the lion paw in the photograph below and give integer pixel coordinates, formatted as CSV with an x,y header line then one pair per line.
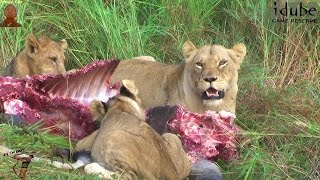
x,y
95,168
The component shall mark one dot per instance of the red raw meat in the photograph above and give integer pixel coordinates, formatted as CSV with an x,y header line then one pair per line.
x,y
210,135
60,100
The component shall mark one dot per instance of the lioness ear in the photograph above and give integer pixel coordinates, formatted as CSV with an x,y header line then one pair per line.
x,y
63,44
32,45
98,109
187,48
128,88
237,53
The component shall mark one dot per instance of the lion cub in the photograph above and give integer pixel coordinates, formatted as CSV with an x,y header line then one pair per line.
x,y
40,56
129,145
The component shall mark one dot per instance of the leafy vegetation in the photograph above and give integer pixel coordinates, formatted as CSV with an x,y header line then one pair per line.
x,y
278,101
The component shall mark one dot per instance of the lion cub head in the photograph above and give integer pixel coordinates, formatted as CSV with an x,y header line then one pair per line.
x,y
126,101
212,72
40,56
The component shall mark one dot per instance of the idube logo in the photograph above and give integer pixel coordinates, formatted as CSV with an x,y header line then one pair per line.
x,y
295,12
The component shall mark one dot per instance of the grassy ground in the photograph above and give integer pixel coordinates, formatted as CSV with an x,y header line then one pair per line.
x,y
278,102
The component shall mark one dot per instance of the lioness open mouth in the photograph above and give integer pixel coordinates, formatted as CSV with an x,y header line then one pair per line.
x,y
212,93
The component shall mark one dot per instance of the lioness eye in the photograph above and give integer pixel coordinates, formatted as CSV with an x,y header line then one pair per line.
x,y
54,59
223,62
199,65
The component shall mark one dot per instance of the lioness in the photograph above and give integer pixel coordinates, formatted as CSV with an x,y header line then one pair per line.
x,y
129,145
40,56
207,80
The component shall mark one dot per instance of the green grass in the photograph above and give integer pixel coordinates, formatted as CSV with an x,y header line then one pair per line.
x,y
278,102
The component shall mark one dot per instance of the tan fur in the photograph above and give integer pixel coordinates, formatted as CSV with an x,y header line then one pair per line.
x,y
145,58
129,145
40,56
163,84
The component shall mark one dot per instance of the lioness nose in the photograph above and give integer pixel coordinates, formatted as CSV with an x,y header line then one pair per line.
x,y
211,79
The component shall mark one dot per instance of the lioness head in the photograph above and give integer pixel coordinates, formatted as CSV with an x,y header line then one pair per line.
x,y
127,101
212,71
45,55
